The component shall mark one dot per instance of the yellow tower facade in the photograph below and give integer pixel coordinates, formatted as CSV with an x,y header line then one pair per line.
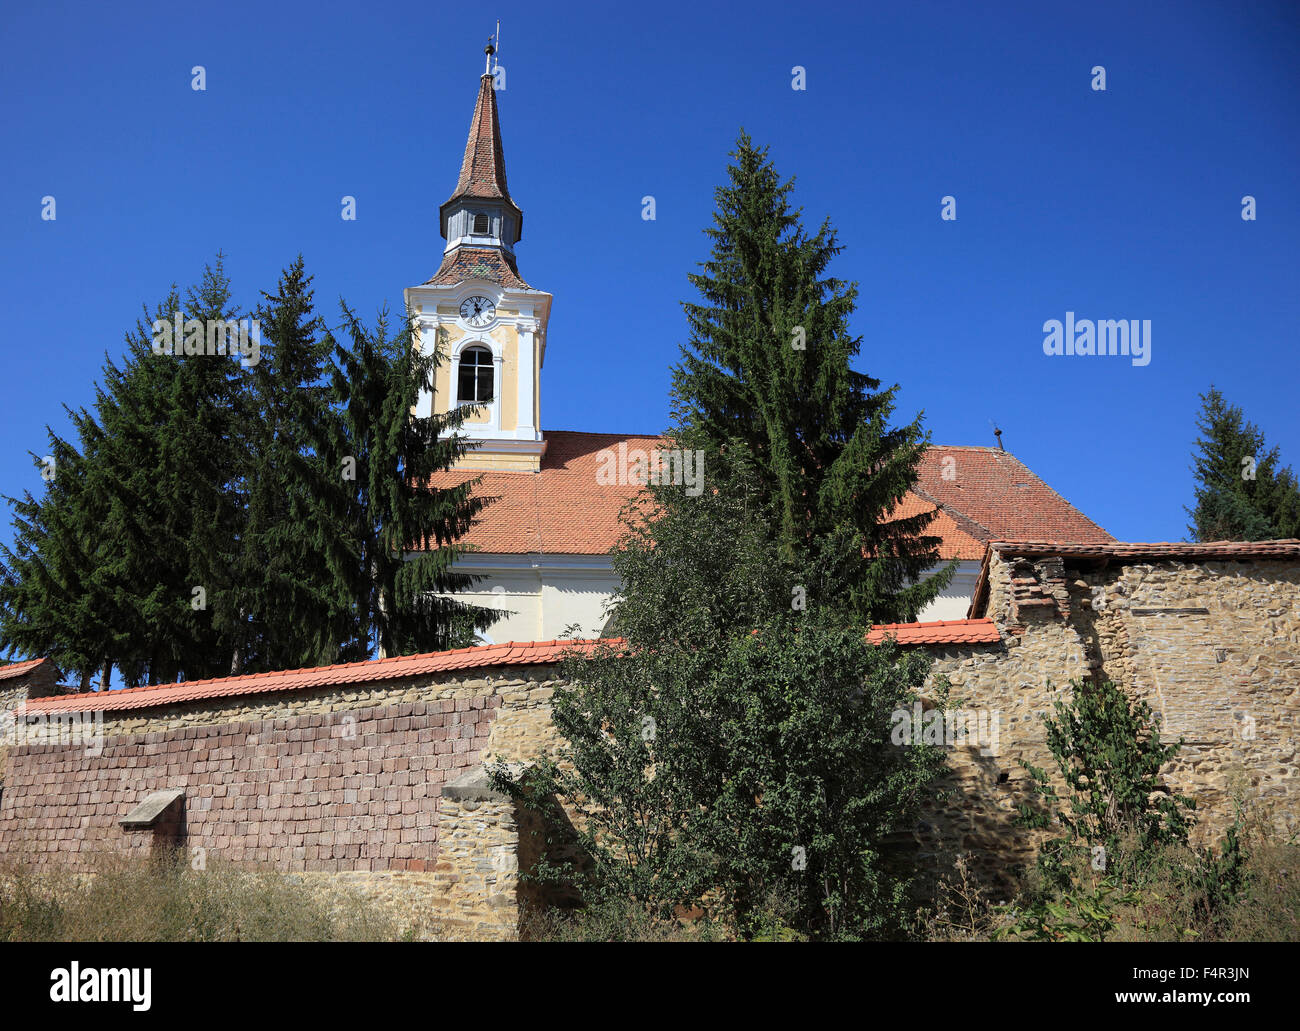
x,y
487,323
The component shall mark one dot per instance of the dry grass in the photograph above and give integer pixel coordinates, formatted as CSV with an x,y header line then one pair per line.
x,y
125,900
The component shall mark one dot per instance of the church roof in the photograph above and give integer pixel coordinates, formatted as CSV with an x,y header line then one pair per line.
x,y
564,510
560,510
462,263
996,497
483,169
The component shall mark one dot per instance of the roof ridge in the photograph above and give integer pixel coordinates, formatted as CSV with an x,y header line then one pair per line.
x,y
600,433
956,514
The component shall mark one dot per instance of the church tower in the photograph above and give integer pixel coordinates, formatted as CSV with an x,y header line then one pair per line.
x,y
488,324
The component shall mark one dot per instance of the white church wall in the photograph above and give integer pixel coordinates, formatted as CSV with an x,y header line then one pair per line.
x,y
546,594
953,600
576,599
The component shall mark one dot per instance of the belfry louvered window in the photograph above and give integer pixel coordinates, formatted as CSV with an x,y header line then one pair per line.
x,y
482,225
475,386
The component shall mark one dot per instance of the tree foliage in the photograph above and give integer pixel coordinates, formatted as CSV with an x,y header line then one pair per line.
x,y
200,520
1243,492
731,749
766,379
742,766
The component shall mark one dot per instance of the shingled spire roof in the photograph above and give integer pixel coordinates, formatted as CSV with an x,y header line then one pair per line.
x,y
483,169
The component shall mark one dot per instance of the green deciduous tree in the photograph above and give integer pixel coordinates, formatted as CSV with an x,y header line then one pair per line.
x,y
730,750
1109,754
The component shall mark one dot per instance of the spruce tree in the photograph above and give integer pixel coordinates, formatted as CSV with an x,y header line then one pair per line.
x,y
1242,490
733,748
49,603
73,583
127,561
766,380
402,532
292,613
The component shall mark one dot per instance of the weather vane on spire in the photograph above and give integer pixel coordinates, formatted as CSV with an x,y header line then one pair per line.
x,y
493,47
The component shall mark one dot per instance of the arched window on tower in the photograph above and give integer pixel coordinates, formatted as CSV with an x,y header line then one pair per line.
x,y
475,386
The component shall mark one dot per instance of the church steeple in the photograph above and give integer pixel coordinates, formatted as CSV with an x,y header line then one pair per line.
x,y
480,221
489,324
483,169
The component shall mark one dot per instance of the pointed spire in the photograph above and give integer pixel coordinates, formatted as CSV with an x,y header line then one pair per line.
x,y
483,169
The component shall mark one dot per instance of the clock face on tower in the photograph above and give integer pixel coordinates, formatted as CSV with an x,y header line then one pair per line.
x,y
477,311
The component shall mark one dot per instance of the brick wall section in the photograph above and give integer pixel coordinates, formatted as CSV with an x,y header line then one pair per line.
x,y
353,791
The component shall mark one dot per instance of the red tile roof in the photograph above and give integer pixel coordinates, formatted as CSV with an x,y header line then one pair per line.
x,y
560,510
563,510
525,653
18,669
999,497
483,169
1163,549
462,263
514,653
944,631
959,538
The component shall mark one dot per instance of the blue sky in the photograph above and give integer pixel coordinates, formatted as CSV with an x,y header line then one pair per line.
x,y
1117,204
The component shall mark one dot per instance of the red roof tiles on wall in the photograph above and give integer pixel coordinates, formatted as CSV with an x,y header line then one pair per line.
x,y
944,631
18,669
1156,550
526,653
510,654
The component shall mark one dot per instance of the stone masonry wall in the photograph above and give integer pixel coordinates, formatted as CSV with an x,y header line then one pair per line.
x,y
379,786
1213,647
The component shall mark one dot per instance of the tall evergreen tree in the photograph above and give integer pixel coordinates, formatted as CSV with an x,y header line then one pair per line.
x,y
172,462
1242,490
389,456
88,580
733,749
292,612
220,512
49,603
766,380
